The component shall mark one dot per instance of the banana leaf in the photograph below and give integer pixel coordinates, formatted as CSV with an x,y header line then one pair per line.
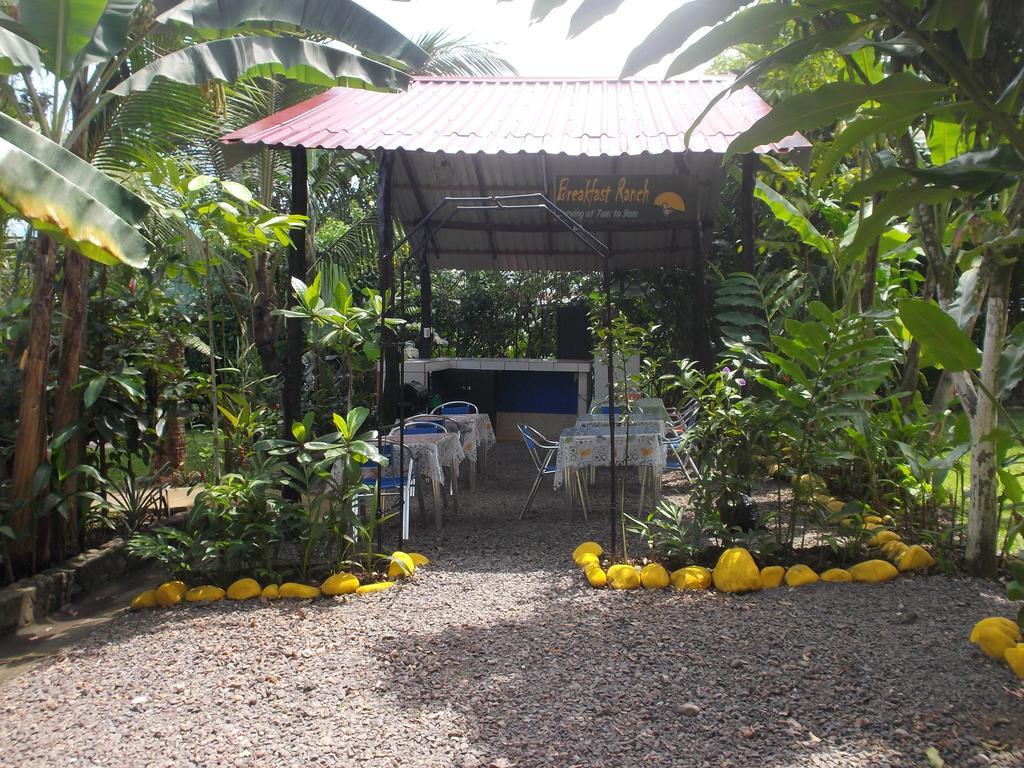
x,y
35,191
342,20
236,57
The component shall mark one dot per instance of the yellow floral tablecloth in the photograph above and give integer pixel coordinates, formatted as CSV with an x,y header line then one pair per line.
x,y
590,446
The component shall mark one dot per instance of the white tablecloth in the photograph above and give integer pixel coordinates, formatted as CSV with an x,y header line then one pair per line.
x,y
590,446
434,452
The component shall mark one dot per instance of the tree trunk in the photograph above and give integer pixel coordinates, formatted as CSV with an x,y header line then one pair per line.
x,y
30,443
263,326
74,303
983,520
170,452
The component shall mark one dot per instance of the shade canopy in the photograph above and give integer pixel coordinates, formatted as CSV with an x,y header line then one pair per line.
x,y
609,152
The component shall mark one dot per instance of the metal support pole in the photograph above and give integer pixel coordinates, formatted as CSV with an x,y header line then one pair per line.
x,y
386,285
610,351
425,343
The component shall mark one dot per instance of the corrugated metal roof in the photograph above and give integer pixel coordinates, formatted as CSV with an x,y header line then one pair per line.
x,y
501,136
491,115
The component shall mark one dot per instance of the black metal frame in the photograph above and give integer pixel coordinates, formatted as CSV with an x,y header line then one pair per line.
x,y
534,201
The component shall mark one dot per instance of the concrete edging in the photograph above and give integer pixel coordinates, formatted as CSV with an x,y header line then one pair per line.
x,y
34,598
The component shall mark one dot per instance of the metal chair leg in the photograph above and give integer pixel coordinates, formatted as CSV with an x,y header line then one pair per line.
x,y
533,492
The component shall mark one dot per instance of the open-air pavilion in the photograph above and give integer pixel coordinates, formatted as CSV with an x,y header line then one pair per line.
x,y
458,160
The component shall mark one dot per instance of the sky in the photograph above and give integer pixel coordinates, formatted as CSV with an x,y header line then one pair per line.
x,y
540,49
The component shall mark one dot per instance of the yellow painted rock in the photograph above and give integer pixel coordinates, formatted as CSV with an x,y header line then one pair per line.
x,y
380,586
994,640
143,600
244,589
893,549
801,575
170,593
587,558
772,576
271,592
736,571
883,537
887,519
691,577
836,576
806,485
623,577
596,576
916,558
835,506
872,520
874,571
298,591
996,624
587,547
340,584
418,559
204,594
1015,658
822,498
401,566
654,576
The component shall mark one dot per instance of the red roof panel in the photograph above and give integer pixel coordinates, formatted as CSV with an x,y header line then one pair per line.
x,y
578,117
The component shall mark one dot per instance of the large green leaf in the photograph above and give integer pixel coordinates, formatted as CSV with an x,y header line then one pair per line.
x,y
939,333
126,205
969,18
62,29
50,202
788,55
231,59
111,33
786,212
830,102
896,203
17,54
1011,370
987,170
944,140
589,13
675,29
343,20
882,120
750,25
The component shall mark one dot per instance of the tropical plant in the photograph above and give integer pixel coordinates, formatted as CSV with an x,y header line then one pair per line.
x,y
677,534
95,53
949,71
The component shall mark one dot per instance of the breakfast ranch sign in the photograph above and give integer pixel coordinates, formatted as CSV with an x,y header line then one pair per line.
x,y
625,198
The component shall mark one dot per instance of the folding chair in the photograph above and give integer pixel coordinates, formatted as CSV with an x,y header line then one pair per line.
x,y
392,483
543,452
457,407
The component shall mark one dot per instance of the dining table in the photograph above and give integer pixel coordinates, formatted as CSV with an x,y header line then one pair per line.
x,y
477,435
588,445
434,453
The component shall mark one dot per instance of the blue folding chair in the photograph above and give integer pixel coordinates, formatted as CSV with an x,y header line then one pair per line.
x,y
395,481
457,407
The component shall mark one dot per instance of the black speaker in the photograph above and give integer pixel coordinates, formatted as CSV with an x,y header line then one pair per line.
x,y
574,333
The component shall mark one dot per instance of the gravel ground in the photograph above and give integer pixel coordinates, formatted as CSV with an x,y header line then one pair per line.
x,y
500,655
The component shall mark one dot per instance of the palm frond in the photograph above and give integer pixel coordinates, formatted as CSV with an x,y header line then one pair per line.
x,y
452,56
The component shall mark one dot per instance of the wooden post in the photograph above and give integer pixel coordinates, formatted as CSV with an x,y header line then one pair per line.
x,y
291,401
390,386
747,212
425,343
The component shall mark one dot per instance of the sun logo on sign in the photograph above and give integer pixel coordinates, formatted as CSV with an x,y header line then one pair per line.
x,y
670,203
